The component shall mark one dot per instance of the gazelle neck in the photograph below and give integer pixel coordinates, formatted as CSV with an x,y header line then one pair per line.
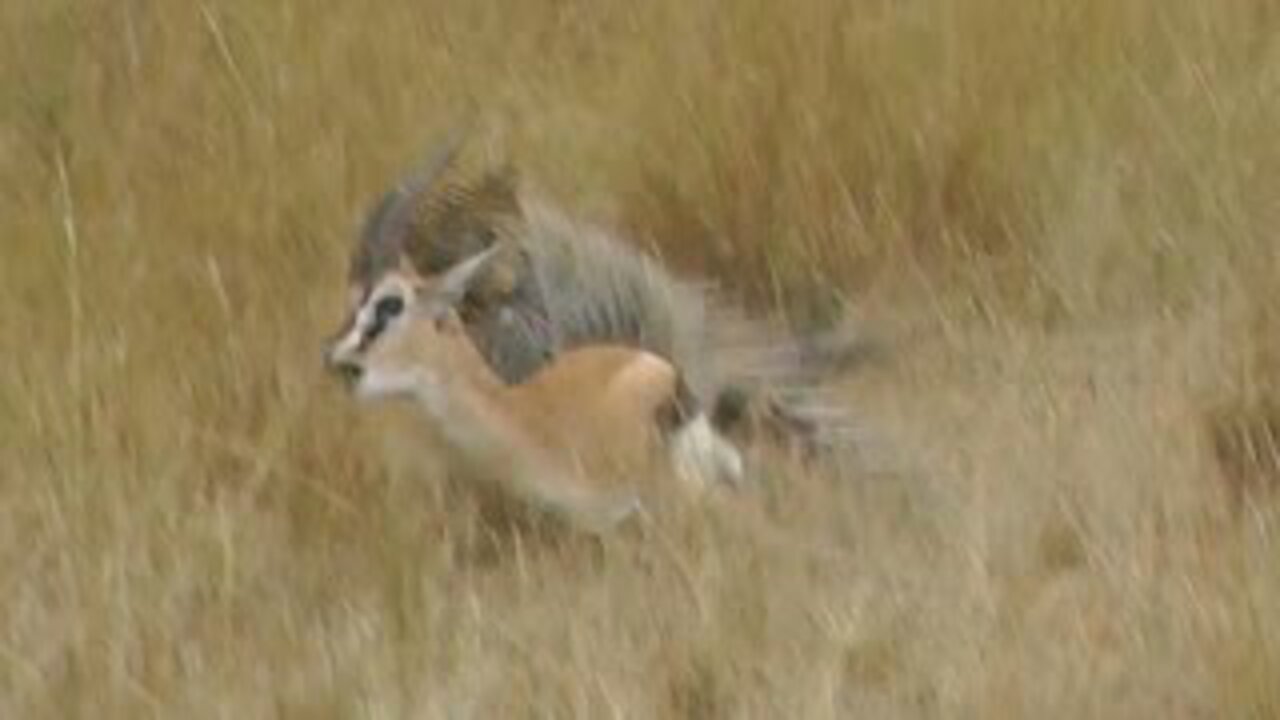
x,y
481,417
470,407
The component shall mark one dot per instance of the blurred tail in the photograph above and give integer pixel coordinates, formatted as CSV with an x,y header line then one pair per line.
x,y
808,430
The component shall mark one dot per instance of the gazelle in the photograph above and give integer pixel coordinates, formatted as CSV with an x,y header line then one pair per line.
x,y
586,436
572,284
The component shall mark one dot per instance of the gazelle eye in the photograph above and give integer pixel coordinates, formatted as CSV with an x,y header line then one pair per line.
x,y
387,309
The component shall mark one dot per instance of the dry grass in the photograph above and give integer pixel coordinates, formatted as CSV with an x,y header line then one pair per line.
x,y
1065,210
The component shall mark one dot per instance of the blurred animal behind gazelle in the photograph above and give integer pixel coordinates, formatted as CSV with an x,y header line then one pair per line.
x,y
570,285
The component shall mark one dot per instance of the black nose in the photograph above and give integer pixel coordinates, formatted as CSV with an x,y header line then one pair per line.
x,y
350,372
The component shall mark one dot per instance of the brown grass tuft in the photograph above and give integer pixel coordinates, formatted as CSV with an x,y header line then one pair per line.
x,y
1246,444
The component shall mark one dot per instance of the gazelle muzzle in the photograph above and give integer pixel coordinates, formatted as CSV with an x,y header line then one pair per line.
x,y
341,354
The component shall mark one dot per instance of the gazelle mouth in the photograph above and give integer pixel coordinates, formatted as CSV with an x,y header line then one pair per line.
x,y
349,372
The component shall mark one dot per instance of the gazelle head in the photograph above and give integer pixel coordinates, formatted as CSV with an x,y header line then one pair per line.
x,y
406,333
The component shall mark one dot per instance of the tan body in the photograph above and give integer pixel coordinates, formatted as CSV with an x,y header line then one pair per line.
x,y
584,436
597,404
579,437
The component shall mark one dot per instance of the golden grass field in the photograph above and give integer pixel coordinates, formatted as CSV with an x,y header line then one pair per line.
x,y
1062,216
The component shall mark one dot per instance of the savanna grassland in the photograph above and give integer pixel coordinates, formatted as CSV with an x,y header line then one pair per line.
x,y
1060,216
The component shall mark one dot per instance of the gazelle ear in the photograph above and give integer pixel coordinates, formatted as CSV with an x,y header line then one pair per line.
x,y
457,280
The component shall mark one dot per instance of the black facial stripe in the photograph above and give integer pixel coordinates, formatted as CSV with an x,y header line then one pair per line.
x,y
384,311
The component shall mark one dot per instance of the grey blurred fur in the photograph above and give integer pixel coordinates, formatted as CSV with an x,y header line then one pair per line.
x,y
568,284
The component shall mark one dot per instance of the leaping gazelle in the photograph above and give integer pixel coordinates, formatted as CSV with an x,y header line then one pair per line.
x,y
593,436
